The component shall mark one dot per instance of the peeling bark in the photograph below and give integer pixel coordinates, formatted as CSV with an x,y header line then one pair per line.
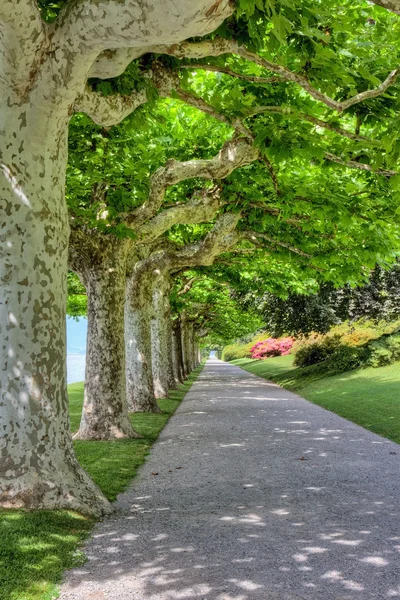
x,y
177,360
38,468
138,314
159,335
43,70
101,264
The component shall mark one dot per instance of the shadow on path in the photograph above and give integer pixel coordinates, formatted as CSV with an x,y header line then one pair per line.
x,y
252,493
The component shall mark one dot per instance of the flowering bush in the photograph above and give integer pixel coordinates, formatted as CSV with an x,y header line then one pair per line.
x,y
271,347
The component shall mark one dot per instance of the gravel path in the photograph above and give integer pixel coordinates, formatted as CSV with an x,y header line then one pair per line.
x,y
252,493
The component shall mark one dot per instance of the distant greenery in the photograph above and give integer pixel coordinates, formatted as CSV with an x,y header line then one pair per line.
x,y
369,397
37,547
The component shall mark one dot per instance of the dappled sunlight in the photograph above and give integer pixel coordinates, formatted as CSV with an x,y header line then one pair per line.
x,y
286,503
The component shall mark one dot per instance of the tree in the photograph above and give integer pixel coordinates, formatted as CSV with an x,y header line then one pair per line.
x,y
46,69
377,299
44,72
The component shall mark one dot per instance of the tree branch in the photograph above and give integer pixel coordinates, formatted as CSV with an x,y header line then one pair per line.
x,y
353,164
187,287
290,112
253,237
108,110
271,170
202,105
222,237
234,154
392,5
93,27
227,71
231,46
200,209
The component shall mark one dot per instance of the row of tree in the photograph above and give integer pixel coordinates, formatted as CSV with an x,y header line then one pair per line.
x,y
273,137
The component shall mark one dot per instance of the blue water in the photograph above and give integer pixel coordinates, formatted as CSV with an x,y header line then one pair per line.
x,y
76,349
75,367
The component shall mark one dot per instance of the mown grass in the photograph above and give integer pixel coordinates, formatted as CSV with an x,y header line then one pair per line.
x,y
369,397
37,547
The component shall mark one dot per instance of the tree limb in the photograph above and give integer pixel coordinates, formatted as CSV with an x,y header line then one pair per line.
x,y
93,27
221,237
227,71
108,110
290,112
264,158
200,209
353,164
202,105
253,237
231,46
392,5
234,154
187,287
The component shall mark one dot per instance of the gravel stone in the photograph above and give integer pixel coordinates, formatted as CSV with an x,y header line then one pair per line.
x,y
260,495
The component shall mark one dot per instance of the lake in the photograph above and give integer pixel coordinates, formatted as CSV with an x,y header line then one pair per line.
x,y
75,368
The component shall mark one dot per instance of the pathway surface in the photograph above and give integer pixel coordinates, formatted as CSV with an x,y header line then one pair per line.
x,y
252,493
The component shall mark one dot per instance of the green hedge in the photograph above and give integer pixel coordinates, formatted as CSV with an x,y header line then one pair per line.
x,y
332,356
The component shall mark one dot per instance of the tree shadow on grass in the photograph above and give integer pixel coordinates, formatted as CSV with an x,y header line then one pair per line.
x,y
35,549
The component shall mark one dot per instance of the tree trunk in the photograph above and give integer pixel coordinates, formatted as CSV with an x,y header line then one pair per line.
x,y
159,335
38,468
105,407
185,346
138,314
194,348
177,359
190,337
172,383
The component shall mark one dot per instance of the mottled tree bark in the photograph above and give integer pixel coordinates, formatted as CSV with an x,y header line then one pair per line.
x,y
138,315
172,383
43,71
185,345
160,335
101,264
38,468
177,359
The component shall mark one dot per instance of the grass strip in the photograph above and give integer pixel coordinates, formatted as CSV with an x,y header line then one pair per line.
x,y
369,397
37,547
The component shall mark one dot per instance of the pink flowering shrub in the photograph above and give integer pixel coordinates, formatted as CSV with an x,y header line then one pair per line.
x,y
271,347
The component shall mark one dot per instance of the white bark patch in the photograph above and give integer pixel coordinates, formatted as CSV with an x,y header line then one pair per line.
x,y
103,269
38,468
138,313
159,335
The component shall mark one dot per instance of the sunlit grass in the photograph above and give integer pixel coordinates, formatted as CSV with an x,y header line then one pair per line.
x,y
369,397
37,547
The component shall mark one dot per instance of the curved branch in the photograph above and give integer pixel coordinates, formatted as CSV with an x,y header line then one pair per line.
x,y
227,71
253,236
188,50
108,110
85,28
234,154
317,95
200,209
392,5
353,164
220,239
290,112
202,105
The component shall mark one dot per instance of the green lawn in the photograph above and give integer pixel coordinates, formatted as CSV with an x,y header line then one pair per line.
x,y
369,397
37,547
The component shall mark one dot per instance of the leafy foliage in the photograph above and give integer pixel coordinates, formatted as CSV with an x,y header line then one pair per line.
x,y
303,313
